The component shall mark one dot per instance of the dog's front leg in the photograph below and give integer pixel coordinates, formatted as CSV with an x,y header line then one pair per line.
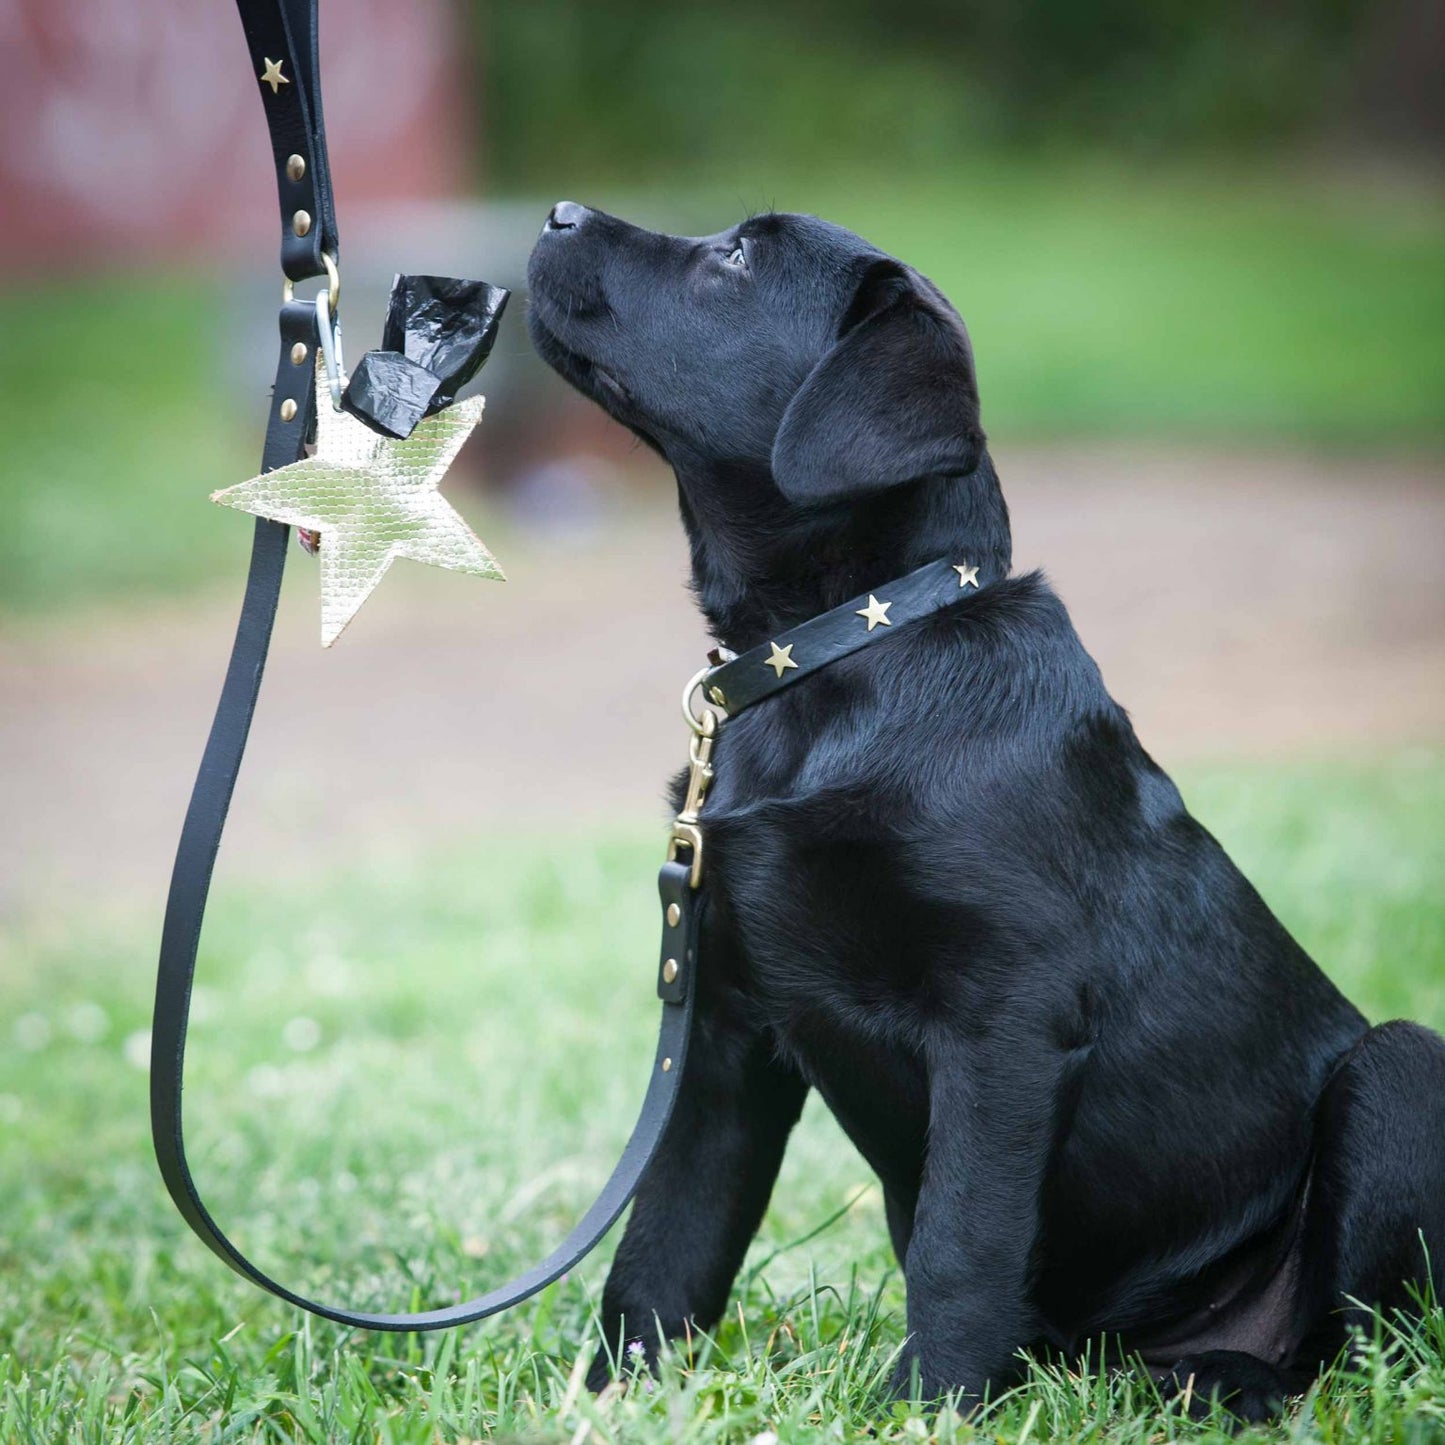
x,y
703,1196
991,1111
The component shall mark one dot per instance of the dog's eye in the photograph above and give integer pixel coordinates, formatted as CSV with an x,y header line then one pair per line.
x,y
737,256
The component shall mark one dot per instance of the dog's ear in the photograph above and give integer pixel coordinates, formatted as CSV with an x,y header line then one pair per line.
x,y
894,399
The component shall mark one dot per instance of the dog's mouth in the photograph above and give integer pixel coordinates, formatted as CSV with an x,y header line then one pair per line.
x,y
584,373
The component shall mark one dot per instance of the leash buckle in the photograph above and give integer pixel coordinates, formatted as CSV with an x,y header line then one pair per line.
x,y
687,835
686,827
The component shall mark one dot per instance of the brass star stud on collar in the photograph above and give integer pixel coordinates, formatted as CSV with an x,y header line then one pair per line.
x,y
967,576
875,612
782,658
372,499
272,75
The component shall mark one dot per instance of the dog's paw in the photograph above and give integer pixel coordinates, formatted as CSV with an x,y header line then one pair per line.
x,y
915,1379
1249,1389
906,1379
637,1359
909,1380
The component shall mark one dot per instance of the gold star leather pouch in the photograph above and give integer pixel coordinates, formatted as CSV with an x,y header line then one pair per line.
x,y
369,488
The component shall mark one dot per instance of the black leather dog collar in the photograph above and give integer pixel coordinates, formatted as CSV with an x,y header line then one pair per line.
x,y
802,650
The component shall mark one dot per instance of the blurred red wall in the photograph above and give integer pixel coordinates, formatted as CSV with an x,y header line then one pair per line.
x,y
133,128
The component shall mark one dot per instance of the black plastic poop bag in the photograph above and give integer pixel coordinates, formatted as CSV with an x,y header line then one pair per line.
x,y
439,331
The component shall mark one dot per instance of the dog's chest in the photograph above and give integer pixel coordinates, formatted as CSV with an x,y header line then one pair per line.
x,y
824,947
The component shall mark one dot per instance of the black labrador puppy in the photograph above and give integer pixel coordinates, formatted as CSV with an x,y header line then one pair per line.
x,y
1106,1093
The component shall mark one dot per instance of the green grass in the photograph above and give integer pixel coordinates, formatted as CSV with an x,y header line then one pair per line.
x,y
117,428
1103,302
407,1077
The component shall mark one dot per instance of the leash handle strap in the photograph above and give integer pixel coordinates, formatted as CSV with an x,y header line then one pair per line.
x,y
270,26
283,39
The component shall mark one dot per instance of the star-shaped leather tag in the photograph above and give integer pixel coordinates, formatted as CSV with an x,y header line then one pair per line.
x,y
372,499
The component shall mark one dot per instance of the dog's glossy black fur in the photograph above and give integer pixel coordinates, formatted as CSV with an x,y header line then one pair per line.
x,y
1106,1093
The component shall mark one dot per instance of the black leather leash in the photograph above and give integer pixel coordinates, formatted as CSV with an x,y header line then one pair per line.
x,y
282,38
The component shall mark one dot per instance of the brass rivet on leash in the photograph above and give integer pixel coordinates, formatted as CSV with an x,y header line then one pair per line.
x,y
288,409
298,353
295,167
716,695
301,222
669,970
674,913
667,1066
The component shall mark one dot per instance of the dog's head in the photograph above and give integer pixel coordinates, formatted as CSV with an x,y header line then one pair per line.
x,y
785,348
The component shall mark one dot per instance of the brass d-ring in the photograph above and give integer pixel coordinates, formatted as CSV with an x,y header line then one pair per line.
x,y
704,724
333,279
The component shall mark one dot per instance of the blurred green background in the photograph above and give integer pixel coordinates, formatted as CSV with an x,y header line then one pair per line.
x,y
629,88
1201,252
1210,224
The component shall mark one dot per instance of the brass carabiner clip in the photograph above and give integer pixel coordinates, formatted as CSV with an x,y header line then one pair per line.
x,y
686,827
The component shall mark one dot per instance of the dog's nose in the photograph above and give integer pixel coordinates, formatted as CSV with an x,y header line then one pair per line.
x,y
566,216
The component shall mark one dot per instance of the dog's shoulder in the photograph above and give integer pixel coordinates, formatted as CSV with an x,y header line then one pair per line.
x,y
1020,613
1000,678
1008,659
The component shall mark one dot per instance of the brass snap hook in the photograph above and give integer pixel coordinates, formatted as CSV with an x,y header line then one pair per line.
x,y
686,828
